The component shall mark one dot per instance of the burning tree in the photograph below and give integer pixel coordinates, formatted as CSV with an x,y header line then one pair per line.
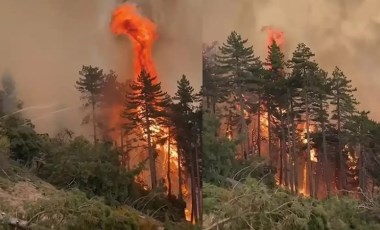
x,y
149,113
237,63
187,132
344,108
145,109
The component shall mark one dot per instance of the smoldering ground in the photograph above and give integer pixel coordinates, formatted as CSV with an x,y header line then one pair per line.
x,y
44,43
342,32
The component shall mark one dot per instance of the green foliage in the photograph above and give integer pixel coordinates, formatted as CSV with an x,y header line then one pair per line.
x,y
96,170
256,205
146,101
218,152
90,84
186,120
72,210
4,151
25,143
145,108
343,98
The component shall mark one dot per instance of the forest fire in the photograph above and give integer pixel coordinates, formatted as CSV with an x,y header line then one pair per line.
x,y
126,20
277,36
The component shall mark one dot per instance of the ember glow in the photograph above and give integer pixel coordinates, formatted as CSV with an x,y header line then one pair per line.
x,y
127,21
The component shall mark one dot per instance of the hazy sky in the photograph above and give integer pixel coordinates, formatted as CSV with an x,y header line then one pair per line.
x,y
44,43
340,32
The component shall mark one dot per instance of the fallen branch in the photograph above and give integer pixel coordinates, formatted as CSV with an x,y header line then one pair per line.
x,y
13,221
5,173
225,220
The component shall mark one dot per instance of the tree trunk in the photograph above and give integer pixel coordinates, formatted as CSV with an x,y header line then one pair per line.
x,y
194,185
168,172
308,149
259,127
152,160
270,150
283,160
316,179
243,125
198,193
341,165
294,153
94,118
289,152
325,160
362,174
179,176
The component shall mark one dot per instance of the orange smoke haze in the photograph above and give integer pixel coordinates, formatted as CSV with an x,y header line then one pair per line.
x,y
141,31
44,43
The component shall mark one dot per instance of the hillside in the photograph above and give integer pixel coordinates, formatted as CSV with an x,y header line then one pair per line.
x,y
25,197
254,205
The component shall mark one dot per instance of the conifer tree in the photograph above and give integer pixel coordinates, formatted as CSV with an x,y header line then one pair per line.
x,y
145,107
272,94
211,86
344,105
90,84
322,97
187,136
237,63
304,75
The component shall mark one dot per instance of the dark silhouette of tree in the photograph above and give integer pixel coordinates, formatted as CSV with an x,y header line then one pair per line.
x,y
90,84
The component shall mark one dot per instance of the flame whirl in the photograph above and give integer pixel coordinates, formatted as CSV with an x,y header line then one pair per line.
x,y
142,32
126,20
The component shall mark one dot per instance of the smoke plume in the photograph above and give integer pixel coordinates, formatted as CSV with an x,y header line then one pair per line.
x,y
44,44
345,33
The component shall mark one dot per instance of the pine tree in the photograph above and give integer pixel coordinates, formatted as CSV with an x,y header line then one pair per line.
x,y
271,94
322,96
304,73
237,63
145,108
90,84
187,136
211,86
359,128
344,108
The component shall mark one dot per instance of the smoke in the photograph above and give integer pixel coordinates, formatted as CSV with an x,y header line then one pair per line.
x,y
44,44
345,33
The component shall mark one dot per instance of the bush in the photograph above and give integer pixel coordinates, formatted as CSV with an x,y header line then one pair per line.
x,y
73,211
256,205
4,153
96,170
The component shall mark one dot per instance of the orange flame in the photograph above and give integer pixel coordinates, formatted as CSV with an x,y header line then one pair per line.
x,y
126,20
274,35
141,31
